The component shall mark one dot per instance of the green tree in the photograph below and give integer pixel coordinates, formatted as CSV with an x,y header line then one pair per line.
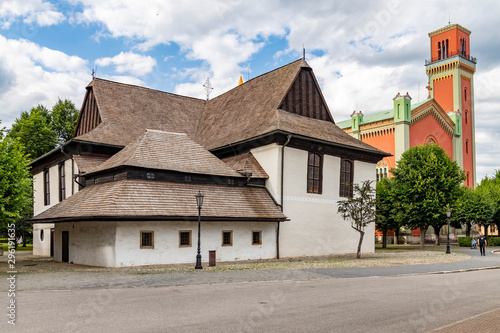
x,y
34,131
474,206
387,209
490,187
427,181
359,209
16,191
64,116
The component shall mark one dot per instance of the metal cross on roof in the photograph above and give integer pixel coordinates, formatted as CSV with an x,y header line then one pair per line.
x,y
208,88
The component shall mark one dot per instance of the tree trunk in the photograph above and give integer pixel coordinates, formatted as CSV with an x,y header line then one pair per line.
x,y
467,229
486,232
24,238
384,238
361,235
436,234
498,228
422,236
396,236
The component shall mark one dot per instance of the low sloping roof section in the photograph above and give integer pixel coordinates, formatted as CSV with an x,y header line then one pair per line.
x,y
135,200
161,150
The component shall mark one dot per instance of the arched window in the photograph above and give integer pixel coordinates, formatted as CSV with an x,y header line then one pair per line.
x,y
314,173
465,114
466,146
467,178
465,93
346,177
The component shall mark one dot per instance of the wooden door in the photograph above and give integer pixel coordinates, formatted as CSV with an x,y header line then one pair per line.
x,y
65,246
52,242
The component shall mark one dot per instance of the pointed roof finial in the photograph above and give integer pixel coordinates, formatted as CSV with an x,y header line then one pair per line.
x,y
240,82
303,52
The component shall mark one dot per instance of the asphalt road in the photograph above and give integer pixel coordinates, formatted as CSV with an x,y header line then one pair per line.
x,y
416,303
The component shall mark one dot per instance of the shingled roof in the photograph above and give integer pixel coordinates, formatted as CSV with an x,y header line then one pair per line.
x,y
287,99
155,200
161,150
246,163
117,113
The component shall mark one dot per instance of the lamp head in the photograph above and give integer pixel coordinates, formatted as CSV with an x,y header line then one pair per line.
x,y
199,199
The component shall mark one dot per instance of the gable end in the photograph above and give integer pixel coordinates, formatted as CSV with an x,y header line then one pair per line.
x,y
89,115
305,99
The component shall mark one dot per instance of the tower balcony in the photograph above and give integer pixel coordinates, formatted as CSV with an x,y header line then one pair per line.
x,y
452,54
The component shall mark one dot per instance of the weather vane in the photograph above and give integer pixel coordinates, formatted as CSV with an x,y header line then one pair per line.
x,y
208,88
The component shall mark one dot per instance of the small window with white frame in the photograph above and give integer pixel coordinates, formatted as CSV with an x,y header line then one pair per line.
x,y
147,239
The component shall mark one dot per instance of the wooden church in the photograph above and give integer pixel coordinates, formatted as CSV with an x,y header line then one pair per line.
x,y
267,157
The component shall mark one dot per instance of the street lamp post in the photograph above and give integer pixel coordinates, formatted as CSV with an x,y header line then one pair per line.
x,y
199,202
448,214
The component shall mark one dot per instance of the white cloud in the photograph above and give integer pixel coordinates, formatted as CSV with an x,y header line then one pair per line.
x,y
129,62
31,75
41,12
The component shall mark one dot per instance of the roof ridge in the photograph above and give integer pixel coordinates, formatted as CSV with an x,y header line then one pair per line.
x,y
142,87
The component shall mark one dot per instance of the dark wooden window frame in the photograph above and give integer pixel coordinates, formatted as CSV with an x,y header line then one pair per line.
x,y
314,173
46,187
256,237
227,238
182,238
62,182
146,241
346,178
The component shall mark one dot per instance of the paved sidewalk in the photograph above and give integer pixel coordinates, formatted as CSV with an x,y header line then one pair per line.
x,y
115,280
488,322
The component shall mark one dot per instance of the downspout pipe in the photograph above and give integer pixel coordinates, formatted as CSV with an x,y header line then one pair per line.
x,y
288,138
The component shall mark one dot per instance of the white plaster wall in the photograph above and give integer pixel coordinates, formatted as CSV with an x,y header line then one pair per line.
x,y
166,242
269,157
315,228
41,248
90,243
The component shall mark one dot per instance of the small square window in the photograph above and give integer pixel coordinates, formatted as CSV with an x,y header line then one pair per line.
x,y
147,240
227,238
256,237
185,238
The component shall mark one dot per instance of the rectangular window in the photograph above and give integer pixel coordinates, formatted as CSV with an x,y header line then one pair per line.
x,y
62,182
227,238
314,173
147,240
346,177
256,237
185,238
46,187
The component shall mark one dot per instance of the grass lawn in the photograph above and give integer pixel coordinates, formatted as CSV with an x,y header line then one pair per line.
x,y
29,247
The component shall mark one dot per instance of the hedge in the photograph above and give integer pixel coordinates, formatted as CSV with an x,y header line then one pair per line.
x,y
467,241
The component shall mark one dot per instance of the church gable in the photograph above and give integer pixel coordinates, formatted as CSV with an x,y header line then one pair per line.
x,y
89,115
432,109
304,97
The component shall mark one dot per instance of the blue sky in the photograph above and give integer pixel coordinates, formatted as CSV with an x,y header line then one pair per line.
x,y
362,52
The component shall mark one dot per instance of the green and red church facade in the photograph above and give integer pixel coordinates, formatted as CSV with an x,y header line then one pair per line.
x,y
445,118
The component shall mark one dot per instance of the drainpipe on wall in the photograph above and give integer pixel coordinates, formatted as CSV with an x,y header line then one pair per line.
x,y
288,138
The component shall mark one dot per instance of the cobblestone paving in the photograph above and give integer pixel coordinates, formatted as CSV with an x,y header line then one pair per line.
x,y
488,322
113,279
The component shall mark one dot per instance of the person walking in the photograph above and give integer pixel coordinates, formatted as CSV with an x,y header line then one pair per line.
x,y
482,243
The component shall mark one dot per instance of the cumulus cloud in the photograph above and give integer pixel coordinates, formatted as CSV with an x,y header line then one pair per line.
x,y
31,75
38,12
129,62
